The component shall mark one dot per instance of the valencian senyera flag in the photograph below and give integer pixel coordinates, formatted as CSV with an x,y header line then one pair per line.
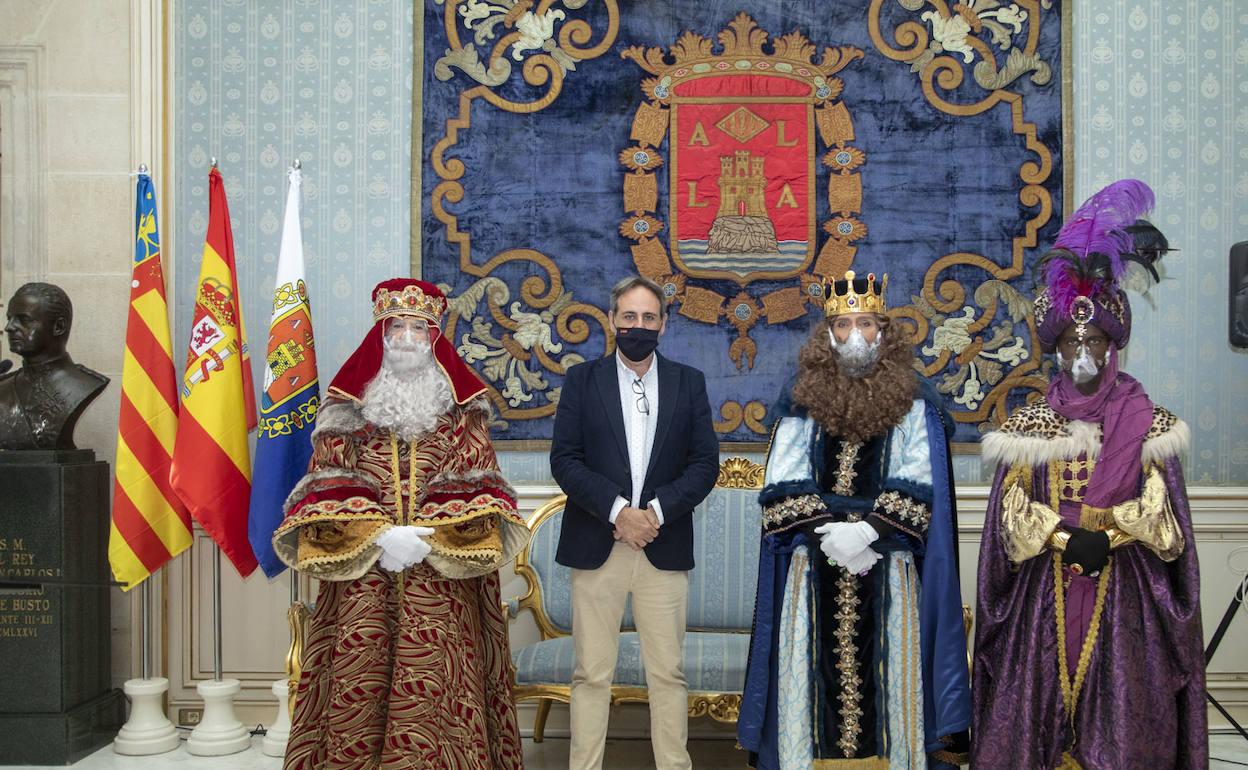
x,y
150,524
211,462
291,394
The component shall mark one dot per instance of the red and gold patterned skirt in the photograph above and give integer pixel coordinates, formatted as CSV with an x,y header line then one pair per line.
x,y
417,683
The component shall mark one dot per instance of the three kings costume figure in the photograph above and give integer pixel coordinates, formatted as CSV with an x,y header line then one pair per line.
x,y
1088,647
857,660
405,519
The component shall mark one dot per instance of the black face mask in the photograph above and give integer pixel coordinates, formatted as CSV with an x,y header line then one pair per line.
x,y
636,343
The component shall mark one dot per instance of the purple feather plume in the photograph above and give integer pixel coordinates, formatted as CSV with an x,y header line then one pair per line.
x,y
1099,226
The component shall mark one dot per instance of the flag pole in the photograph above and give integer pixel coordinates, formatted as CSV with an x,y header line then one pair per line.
x,y
297,615
148,729
216,612
284,689
219,731
146,629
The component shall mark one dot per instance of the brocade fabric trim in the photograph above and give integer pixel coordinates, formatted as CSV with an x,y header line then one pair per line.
x,y
1073,477
791,508
1070,688
903,512
850,695
845,472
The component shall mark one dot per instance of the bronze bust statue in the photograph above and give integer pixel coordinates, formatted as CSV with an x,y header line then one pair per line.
x,y
40,403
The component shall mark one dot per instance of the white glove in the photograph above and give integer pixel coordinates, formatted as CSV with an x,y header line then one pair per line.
x,y
402,547
862,563
841,541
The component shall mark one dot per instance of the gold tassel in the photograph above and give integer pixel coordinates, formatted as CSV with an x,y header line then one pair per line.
x,y
297,616
1069,762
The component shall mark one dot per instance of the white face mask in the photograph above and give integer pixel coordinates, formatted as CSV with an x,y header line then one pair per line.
x,y
401,338
856,354
1083,369
404,352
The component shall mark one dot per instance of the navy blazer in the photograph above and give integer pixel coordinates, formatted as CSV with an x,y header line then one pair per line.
x,y
589,460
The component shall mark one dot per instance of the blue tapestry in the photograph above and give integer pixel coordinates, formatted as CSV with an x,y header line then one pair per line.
x,y
737,153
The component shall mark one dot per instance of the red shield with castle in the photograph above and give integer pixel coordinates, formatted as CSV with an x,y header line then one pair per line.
x,y
291,350
742,177
739,123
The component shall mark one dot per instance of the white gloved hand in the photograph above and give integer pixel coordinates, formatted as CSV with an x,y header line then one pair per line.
x,y
402,547
862,563
841,541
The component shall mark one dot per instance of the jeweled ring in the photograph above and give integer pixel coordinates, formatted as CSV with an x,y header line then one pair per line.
x,y
1077,569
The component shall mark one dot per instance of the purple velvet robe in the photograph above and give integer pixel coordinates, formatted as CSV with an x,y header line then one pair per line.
x,y
1143,700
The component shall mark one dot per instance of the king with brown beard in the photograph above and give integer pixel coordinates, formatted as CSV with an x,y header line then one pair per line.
x,y
857,656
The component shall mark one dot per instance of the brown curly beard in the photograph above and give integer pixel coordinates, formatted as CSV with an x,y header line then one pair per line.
x,y
856,408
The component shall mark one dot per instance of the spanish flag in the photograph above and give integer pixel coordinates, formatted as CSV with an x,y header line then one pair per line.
x,y
211,463
150,525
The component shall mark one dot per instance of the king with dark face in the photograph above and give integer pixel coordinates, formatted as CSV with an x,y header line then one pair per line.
x,y
41,402
1087,547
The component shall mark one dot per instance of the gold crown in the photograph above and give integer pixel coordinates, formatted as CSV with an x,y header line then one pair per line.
x,y
217,299
836,302
410,301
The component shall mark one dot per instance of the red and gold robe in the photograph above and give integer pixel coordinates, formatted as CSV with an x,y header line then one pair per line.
x,y
403,670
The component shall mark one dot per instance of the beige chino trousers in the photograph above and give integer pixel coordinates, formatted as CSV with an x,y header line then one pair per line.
x,y
660,598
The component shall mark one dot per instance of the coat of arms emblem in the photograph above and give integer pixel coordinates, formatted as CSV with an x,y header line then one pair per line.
x,y
743,130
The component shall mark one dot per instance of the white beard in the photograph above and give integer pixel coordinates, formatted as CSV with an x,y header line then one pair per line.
x,y
856,355
409,393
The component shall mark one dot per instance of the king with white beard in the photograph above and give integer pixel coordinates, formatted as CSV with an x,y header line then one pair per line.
x,y
405,519
409,393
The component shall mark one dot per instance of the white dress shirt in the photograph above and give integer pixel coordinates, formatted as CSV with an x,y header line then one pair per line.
x,y
638,431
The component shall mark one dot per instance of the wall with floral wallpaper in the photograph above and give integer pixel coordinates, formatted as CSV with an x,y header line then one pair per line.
x,y
1160,93
259,84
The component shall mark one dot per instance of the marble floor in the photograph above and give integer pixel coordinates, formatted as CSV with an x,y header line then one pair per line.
x,y
1227,752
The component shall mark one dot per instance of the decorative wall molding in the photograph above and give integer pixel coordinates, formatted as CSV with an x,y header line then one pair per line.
x,y
23,166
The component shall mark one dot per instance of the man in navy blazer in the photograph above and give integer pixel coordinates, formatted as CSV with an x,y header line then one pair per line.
x,y
635,451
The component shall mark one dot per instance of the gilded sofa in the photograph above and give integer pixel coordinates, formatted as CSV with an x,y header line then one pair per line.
x,y
720,614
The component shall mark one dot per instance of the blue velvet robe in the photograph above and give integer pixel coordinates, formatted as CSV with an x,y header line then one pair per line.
x,y
912,492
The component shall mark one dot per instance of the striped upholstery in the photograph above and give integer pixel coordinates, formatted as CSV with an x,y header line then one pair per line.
x,y
713,662
554,580
725,551
721,585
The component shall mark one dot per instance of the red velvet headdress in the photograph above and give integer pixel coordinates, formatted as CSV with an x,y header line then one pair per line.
x,y
409,297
